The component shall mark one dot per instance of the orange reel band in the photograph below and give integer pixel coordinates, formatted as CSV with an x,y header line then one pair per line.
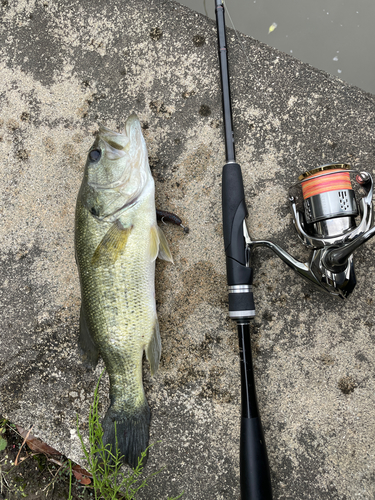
x,y
336,180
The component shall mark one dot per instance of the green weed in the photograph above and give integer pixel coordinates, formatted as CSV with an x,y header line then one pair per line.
x,y
3,441
104,464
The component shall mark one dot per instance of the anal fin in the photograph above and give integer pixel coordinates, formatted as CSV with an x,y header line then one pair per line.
x,y
90,352
153,350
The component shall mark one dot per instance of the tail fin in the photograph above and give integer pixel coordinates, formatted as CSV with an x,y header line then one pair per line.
x,y
132,432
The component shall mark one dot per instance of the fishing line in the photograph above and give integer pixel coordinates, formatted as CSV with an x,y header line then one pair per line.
x,y
236,32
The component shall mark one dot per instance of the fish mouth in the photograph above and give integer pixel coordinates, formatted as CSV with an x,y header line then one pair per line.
x,y
131,123
114,144
118,143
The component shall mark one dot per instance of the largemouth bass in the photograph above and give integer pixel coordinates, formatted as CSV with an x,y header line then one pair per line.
x,y
117,241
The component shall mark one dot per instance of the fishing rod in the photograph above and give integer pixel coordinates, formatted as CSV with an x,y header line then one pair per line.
x,y
333,216
254,469
331,206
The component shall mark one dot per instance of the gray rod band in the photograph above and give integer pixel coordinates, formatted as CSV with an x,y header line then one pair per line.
x,y
240,289
242,314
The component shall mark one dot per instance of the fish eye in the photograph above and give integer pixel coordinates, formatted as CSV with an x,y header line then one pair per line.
x,y
95,155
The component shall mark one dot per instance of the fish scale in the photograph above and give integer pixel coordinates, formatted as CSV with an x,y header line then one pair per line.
x,y
116,250
107,292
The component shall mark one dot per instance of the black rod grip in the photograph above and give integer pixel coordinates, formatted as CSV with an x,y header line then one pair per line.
x,y
241,302
255,477
241,305
234,212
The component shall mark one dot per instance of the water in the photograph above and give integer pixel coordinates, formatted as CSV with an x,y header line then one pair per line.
x,y
334,35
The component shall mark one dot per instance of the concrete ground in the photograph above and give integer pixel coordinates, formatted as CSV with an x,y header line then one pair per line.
x,y
66,66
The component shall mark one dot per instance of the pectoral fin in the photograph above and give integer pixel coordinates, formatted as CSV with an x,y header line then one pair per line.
x,y
89,350
153,350
164,252
159,245
112,245
154,243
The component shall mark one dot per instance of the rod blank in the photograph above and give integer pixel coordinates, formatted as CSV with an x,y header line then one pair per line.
x,y
225,87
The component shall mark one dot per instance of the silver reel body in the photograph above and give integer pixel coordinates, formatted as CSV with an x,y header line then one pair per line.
x,y
326,209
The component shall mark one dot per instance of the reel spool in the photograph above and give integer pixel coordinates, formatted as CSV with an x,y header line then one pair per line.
x,y
329,201
332,212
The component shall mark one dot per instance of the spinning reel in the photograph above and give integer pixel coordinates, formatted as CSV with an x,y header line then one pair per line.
x,y
332,213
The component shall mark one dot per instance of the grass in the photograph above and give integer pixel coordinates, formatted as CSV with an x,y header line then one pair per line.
x,y
3,441
105,464
37,474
